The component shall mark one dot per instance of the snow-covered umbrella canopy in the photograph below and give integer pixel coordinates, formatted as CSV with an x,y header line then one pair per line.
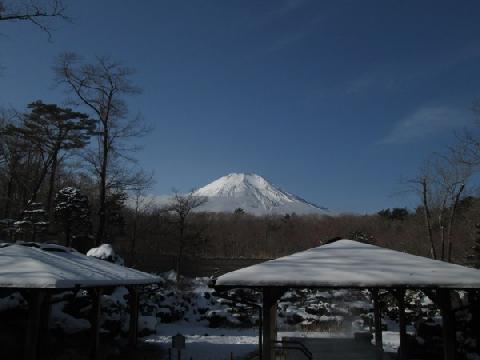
x,y
53,266
351,264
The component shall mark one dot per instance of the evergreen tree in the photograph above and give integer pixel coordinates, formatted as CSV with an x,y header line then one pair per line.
x,y
362,237
72,214
399,214
394,214
115,221
33,224
52,130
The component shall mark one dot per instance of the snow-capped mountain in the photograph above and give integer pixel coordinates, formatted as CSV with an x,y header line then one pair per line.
x,y
254,195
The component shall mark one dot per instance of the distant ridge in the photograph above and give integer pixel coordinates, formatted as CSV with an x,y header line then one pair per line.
x,y
254,195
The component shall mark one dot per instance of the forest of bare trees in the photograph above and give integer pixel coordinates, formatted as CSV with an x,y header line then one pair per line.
x,y
240,235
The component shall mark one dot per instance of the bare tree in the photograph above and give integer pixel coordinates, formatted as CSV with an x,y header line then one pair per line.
x,y
441,185
468,147
38,12
180,208
11,153
421,186
452,175
100,87
141,204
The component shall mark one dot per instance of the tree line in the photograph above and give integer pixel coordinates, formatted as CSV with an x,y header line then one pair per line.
x,y
241,235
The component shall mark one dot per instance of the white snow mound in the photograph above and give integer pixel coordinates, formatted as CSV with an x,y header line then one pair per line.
x,y
106,252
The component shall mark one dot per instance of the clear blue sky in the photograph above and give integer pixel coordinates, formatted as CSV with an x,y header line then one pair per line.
x,y
334,101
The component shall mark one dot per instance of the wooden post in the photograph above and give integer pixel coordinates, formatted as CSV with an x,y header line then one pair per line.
x,y
95,321
33,325
44,322
448,324
378,324
474,301
400,295
269,315
133,329
260,334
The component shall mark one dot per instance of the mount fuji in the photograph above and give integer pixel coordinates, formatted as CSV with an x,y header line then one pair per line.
x,y
254,195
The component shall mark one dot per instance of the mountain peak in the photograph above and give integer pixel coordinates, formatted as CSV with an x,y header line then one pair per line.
x,y
254,194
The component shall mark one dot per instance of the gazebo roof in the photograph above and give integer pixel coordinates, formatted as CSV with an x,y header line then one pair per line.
x,y
53,266
351,264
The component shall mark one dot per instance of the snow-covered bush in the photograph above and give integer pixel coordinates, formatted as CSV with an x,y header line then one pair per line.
x,y
323,310
13,300
192,301
65,322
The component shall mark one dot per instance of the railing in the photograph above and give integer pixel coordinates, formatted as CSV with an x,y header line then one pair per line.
x,y
295,345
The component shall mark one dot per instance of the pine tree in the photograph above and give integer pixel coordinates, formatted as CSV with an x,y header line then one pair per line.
x,y
52,130
115,222
362,237
33,224
72,214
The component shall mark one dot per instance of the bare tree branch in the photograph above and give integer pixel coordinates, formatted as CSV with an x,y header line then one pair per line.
x,y
40,13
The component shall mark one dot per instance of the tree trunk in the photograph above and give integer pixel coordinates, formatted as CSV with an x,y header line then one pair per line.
x,y
67,236
8,200
134,241
102,216
450,223
51,185
180,249
179,262
427,214
134,232
441,219
41,178
442,242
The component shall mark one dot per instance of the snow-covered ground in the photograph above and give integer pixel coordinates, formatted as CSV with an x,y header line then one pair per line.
x,y
215,328
203,343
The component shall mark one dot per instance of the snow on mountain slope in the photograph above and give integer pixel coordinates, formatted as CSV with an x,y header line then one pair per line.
x,y
254,195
